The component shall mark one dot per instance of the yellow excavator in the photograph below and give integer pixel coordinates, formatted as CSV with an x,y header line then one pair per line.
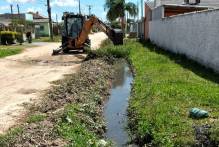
x,y
77,28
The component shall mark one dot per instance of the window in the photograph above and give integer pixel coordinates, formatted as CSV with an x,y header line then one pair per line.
x,y
41,28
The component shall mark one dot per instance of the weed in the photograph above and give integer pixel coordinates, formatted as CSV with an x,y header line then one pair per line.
x,y
35,118
10,136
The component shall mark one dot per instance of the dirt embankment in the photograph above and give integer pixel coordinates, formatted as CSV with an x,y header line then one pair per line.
x,y
73,102
24,76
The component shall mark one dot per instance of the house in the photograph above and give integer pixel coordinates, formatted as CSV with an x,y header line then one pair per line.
x,y
208,3
167,8
149,6
7,18
41,25
189,28
22,22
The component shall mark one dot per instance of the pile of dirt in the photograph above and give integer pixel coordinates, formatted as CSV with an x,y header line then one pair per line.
x,y
87,89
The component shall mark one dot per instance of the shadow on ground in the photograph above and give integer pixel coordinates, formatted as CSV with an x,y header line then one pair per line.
x,y
185,62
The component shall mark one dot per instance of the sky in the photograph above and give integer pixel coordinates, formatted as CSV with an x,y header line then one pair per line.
x,y
58,7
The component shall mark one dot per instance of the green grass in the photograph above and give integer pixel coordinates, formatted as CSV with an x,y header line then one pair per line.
x,y
10,136
47,39
35,118
166,87
10,50
109,51
74,130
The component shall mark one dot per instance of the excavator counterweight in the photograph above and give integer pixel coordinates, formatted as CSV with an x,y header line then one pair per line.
x,y
77,28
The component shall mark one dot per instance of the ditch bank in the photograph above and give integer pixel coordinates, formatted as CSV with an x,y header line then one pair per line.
x,y
70,112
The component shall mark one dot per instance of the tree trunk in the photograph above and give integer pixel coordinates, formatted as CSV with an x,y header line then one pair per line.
x,y
123,24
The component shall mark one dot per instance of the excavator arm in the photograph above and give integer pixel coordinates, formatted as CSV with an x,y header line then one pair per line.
x,y
115,35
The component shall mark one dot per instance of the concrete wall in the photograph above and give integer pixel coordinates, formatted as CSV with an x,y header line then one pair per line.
x,y
141,28
158,13
195,34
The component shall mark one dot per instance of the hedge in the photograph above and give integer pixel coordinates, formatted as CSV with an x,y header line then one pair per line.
x,y
9,37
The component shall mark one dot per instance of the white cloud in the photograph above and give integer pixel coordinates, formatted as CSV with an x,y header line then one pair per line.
x,y
2,8
19,1
32,9
65,3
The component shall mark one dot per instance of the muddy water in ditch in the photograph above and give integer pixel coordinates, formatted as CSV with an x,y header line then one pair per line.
x,y
116,108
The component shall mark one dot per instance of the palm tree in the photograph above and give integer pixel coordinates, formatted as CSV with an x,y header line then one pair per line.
x,y
118,8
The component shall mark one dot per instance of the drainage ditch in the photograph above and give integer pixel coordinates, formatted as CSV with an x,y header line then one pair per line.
x,y
115,111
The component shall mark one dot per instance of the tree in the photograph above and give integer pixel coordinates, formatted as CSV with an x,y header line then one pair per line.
x,y
118,8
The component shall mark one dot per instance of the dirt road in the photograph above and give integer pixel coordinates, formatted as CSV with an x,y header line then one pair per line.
x,y
24,76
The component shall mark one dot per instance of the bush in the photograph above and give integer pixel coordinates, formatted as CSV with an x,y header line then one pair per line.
x,y
19,37
7,37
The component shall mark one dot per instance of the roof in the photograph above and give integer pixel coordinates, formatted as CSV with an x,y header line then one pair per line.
x,y
10,16
150,4
186,6
37,15
44,20
209,3
4,23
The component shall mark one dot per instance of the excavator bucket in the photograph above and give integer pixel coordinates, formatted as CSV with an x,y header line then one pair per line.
x,y
117,37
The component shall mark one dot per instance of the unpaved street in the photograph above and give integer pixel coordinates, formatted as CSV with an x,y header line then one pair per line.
x,y
24,76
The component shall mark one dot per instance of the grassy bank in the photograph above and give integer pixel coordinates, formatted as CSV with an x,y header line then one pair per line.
x,y
166,87
10,50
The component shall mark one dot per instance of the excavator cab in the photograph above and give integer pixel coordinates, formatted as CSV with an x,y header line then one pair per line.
x,y
77,28
73,25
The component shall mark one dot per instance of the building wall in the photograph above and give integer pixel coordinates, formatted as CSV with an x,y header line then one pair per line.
x,y
195,35
42,29
212,3
148,14
141,28
158,13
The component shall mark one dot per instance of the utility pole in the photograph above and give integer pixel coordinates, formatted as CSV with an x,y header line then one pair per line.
x,y
89,8
11,9
12,17
79,3
18,9
142,9
138,8
50,19
57,19
57,24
